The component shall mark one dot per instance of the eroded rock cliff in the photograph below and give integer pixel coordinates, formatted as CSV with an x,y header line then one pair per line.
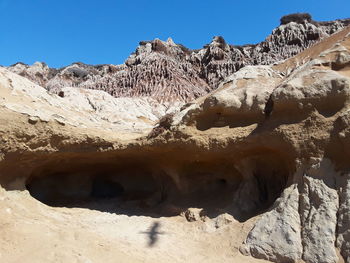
x,y
258,167
171,72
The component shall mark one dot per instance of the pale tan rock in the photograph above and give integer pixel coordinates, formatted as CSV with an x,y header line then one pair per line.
x,y
318,208
81,107
223,220
276,236
343,221
240,100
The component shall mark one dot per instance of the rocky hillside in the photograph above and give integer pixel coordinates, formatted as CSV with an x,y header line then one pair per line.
x,y
255,171
171,72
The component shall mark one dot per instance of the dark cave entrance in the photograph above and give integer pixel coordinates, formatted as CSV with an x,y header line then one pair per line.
x,y
242,188
104,188
79,184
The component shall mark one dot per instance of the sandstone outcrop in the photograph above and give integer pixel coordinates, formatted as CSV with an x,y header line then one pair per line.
x,y
304,221
277,235
259,166
81,107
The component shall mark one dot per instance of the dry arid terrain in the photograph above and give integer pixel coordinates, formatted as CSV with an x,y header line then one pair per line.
x,y
247,165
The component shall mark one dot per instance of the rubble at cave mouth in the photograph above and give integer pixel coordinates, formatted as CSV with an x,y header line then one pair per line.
x,y
242,188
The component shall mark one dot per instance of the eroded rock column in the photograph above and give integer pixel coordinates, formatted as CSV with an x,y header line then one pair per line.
x,y
318,211
302,224
343,238
276,236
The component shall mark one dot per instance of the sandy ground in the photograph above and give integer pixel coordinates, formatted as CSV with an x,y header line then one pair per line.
x,y
33,232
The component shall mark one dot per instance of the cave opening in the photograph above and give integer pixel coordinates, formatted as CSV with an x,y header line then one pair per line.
x,y
104,188
243,187
79,183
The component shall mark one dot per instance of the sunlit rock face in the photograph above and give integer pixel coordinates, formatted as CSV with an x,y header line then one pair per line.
x,y
167,71
255,171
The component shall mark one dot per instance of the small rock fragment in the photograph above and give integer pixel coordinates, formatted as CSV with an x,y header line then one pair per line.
x,y
194,214
33,119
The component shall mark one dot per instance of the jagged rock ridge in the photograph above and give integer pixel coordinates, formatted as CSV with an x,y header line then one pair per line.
x,y
168,71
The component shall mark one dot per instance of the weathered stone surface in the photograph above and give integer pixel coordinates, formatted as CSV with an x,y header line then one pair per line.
x,y
318,208
239,101
81,107
343,60
276,236
264,158
194,214
223,220
310,89
302,223
170,72
343,226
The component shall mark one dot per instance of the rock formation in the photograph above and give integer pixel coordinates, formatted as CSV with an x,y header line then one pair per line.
x,y
167,71
257,170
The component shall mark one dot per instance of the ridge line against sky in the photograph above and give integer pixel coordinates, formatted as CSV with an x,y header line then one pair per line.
x,y
106,31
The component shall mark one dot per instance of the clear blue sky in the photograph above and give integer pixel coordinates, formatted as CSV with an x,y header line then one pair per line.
x,y
60,32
